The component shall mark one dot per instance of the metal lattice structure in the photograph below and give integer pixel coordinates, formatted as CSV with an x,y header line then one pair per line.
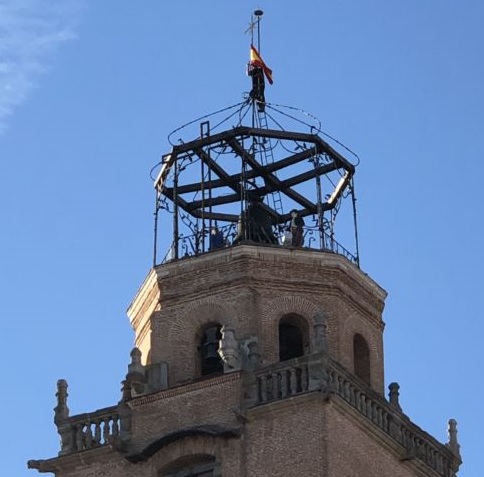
x,y
246,183
248,178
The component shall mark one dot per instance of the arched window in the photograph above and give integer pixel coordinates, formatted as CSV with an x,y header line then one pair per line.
x,y
361,356
293,337
198,465
210,361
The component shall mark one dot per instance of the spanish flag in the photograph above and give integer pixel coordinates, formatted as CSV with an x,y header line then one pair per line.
x,y
257,61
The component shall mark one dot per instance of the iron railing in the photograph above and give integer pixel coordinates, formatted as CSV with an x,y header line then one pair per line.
x,y
202,242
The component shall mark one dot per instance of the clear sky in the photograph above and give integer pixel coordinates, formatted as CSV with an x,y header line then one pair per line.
x,y
90,89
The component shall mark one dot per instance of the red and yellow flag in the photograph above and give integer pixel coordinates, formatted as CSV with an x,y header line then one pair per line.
x,y
257,61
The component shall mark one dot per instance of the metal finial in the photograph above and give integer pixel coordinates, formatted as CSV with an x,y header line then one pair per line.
x,y
258,13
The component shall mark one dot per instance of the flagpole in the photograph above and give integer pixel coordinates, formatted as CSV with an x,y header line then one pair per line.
x,y
258,14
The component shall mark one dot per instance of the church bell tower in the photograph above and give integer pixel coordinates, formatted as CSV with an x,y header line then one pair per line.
x,y
258,338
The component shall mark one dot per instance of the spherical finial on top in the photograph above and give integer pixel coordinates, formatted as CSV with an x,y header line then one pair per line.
x,y
258,13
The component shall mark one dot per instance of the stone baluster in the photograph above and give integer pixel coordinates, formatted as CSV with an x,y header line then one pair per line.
x,y
284,383
385,422
411,445
341,387
366,406
375,413
275,385
304,378
97,432
88,436
346,390
369,408
358,398
263,388
61,418
383,419
440,464
115,427
352,395
105,430
293,381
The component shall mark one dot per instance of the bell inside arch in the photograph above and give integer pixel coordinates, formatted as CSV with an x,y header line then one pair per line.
x,y
211,360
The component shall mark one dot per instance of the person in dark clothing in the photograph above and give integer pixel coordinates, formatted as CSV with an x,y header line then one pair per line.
x,y
258,87
216,238
297,224
257,222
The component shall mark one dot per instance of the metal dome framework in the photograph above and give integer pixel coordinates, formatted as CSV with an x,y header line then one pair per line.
x,y
209,184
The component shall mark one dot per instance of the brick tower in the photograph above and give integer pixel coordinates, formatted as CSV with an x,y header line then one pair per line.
x,y
259,340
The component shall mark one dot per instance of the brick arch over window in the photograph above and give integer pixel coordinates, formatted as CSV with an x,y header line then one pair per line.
x,y
293,337
215,443
207,340
371,336
361,358
186,331
270,318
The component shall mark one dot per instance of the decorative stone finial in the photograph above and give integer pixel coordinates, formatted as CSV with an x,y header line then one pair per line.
x,y
453,444
254,355
393,396
61,418
136,370
320,332
135,356
229,349
61,410
136,377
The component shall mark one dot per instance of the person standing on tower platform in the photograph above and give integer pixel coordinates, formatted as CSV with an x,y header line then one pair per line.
x,y
297,224
258,69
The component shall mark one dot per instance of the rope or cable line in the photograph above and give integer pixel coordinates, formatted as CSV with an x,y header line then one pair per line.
x,y
202,117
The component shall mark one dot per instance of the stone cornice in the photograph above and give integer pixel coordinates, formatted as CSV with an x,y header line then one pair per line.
x,y
76,459
364,293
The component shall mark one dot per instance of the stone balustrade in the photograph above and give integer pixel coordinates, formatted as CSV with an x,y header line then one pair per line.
x,y
90,430
282,381
288,379
314,372
416,443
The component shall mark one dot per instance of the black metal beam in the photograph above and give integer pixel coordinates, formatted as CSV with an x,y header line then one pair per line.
x,y
236,178
218,170
275,184
215,216
305,176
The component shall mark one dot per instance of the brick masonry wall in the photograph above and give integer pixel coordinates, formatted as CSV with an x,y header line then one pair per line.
x,y
304,435
250,289
227,451
355,452
287,439
213,401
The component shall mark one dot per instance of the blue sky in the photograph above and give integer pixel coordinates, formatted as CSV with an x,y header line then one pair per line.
x,y
89,91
